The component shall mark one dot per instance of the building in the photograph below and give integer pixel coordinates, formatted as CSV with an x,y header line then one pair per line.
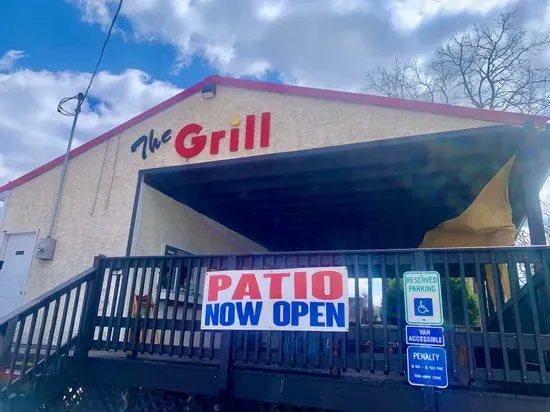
x,y
101,206
237,167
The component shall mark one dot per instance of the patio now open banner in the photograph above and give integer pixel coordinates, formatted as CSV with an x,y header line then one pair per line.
x,y
306,299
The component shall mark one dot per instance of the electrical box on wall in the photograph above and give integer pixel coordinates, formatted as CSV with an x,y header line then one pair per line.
x,y
45,249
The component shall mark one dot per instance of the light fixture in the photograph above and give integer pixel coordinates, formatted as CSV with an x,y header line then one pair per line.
x,y
208,91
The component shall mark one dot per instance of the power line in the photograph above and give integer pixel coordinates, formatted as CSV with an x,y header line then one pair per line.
x,y
62,110
82,97
103,47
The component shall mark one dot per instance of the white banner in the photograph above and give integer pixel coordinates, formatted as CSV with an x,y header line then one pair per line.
x,y
314,299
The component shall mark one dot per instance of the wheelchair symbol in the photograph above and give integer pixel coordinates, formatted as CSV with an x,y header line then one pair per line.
x,y
423,307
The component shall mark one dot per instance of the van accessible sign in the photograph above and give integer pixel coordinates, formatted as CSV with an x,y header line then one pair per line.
x,y
306,299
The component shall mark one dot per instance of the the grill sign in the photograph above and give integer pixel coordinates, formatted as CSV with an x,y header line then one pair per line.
x,y
314,299
192,139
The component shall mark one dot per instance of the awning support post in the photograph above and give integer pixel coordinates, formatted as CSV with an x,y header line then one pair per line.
x,y
533,167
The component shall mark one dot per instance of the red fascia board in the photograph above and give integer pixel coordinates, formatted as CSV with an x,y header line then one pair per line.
x,y
310,92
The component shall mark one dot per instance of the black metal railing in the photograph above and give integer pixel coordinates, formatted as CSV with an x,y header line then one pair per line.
x,y
496,306
142,305
496,303
37,339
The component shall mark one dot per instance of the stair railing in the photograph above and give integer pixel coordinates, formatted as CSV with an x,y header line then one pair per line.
x,y
37,339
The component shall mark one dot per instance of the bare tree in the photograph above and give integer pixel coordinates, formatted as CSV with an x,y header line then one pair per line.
x,y
523,238
410,79
490,66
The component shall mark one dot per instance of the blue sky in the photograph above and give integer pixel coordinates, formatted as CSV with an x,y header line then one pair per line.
x,y
49,48
74,45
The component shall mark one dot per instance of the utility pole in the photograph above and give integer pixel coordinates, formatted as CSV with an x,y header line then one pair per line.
x,y
80,98
46,246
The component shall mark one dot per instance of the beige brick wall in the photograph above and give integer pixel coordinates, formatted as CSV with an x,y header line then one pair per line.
x,y
96,206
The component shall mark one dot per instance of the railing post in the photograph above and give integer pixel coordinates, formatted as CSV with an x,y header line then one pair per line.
x,y
223,371
225,360
430,402
7,331
420,260
225,355
87,325
533,170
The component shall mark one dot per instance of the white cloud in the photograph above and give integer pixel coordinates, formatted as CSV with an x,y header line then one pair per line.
x,y
352,6
7,61
270,10
257,68
328,43
96,11
7,173
218,54
32,132
408,14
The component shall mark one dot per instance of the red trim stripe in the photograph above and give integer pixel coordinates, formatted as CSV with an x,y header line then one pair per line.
x,y
357,98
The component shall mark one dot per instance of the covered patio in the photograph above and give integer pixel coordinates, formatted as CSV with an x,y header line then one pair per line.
x,y
376,195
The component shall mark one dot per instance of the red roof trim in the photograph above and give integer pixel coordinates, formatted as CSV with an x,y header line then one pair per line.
x,y
358,98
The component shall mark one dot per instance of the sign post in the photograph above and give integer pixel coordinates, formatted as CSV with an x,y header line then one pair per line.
x,y
426,355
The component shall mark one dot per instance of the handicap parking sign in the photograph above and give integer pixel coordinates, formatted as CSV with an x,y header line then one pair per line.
x,y
423,306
